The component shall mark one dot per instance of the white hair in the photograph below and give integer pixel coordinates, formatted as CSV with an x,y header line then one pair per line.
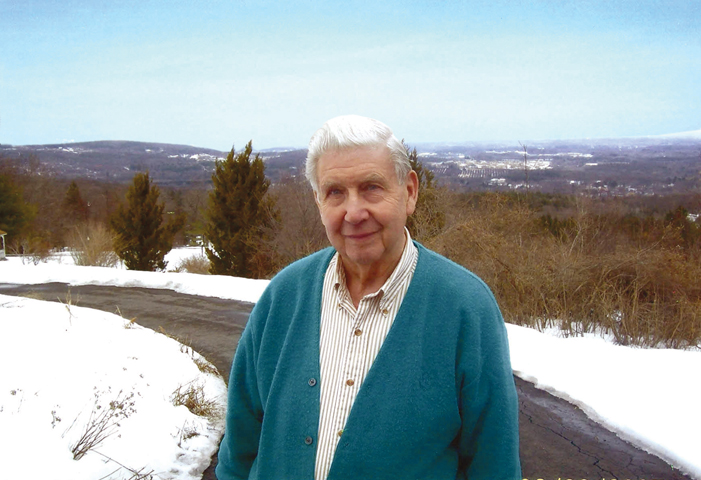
x,y
353,131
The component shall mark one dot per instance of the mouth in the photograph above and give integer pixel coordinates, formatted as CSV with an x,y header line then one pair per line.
x,y
359,236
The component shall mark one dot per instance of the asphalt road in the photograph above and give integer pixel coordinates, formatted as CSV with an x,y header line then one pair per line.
x,y
558,441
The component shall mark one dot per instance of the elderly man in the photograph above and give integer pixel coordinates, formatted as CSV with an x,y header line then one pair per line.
x,y
377,358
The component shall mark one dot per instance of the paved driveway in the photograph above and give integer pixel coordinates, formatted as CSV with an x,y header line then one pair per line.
x,y
558,441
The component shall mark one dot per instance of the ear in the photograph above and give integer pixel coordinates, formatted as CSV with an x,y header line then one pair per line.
x,y
412,187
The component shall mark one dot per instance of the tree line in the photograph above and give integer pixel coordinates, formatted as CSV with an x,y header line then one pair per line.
x,y
630,266
247,226
141,227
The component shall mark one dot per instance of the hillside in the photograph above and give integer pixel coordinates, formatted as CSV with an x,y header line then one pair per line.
x,y
603,166
646,165
117,161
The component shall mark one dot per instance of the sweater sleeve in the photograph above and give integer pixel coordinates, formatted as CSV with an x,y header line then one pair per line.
x,y
489,438
239,447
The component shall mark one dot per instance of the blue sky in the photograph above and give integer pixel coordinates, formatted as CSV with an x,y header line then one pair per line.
x,y
219,73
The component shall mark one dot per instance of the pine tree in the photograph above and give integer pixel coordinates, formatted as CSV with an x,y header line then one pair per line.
x,y
141,239
15,213
428,218
75,208
239,217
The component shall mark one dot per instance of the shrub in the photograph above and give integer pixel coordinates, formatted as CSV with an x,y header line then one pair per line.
x,y
91,245
102,423
194,264
584,273
34,249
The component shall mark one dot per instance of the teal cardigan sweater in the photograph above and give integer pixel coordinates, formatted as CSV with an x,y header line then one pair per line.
x,y
438,403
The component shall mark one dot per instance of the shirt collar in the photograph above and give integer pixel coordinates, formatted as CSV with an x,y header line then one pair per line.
x,y
391,285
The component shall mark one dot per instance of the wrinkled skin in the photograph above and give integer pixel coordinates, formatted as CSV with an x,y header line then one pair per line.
x,y
364,208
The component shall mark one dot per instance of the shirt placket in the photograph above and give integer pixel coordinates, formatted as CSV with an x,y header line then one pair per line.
x,y
352,365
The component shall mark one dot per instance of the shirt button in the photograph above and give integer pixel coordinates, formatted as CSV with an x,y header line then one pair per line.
x,y
308,440
340,432
385,312
350,382
312,382
358,332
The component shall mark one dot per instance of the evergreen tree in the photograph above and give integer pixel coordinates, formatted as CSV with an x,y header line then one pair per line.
x,y
75,208
239,217
15,213
688,232
428,218
141,239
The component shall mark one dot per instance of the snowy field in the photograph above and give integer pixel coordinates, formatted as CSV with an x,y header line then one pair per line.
x,y
82,357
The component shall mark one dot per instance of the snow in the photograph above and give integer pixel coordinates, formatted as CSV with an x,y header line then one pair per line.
x,y
62,269
63,368
647,396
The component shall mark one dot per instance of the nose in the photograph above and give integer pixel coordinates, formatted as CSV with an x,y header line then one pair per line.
x,y
356,210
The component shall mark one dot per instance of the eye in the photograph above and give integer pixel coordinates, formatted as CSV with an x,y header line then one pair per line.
x,y
332,192
372,188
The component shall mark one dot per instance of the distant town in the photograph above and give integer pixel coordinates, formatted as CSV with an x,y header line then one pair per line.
x,y
602,167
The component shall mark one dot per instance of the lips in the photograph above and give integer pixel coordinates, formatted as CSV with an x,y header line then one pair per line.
x,y
359,236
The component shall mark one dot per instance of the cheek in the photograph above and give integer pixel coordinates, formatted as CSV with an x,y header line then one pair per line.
x,y
330,217
392,212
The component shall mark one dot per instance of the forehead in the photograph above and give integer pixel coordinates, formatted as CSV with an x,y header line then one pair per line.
x,y
351,162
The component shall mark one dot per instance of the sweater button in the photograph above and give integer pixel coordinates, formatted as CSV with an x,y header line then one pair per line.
x,y
308,440
312,382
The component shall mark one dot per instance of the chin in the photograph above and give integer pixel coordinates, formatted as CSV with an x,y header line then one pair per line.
x,y
362,256
363,260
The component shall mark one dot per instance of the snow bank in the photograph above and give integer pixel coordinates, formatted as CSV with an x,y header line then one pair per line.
x,y
649,397
64,366
232,288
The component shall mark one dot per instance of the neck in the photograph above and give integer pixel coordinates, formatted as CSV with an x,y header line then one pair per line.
x,y
363,280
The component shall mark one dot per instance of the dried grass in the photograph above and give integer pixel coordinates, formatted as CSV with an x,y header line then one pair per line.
x,y
590,276
193,397
91,244
205,367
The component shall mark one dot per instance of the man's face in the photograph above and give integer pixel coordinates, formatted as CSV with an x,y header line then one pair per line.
x,y
363,206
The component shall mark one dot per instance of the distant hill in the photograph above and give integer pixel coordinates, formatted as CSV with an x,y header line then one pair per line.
x,y
117,161
654,164
691,135
603,166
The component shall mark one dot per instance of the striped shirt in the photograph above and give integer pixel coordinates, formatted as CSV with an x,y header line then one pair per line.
x,y
350,339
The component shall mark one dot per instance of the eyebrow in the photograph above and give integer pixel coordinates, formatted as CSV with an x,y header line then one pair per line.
x,y
371,178
374,177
